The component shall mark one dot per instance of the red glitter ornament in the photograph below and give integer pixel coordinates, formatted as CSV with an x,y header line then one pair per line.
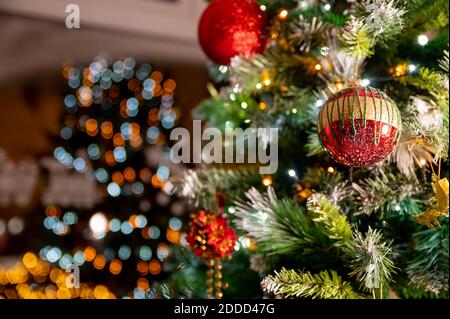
x,y
232,27
210,236
359,126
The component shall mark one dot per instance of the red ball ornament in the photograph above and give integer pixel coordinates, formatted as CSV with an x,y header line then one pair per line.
x,y
232,27
359,126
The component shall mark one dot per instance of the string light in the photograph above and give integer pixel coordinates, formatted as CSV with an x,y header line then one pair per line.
x,y
263,7
422,162
318,67
399,70
330,170
223,69
283,14
267,181
324,50
291,173
262,106
365,82
422,39
98,223
412,68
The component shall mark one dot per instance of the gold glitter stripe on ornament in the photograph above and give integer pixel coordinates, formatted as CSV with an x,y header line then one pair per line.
x,y
347,104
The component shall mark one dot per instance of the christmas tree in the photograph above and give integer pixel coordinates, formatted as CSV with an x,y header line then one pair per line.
x,y
358,207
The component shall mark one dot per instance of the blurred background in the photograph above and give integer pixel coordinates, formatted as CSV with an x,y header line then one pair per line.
x,y
85,117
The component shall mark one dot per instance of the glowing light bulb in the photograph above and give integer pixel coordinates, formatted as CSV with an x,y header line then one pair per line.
x,y
318,67
330,170
263,7
223,69
267,181
283,14
422,162
291,173
365,82
422,39
258,86
98,223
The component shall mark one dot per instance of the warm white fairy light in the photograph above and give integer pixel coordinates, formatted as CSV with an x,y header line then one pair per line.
x,y
223,69
422,162
327,7
330,169
422,39
283,14
365,82
319,103
267,181
263,7
244,105
98,223
247,121
291,173
267,82
412,68
258,86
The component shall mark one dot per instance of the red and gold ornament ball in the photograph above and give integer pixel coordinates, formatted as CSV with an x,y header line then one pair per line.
x,y
359,126
210,236
232,27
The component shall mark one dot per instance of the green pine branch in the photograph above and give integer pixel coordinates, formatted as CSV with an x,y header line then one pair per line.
x,y
370,258
201,186
388,194
335,225
278,226
428,265
324,285
356,40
